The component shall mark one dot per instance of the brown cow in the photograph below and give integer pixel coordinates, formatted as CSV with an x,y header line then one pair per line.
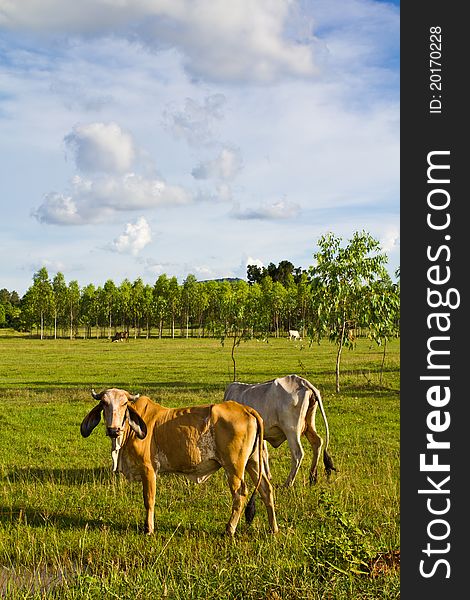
x,y
120,336
193,441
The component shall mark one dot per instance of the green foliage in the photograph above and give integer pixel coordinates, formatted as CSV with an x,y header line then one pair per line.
x,y
284,273
338,544
38,302
348,291
60,292
9,309
73,306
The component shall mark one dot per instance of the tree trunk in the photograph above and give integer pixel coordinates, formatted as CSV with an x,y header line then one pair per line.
x,y
338,356
233,357
383,361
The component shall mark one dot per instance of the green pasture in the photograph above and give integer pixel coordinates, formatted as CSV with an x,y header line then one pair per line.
x,y
70,529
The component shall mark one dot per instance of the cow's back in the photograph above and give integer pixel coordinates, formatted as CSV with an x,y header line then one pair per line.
x,y
281,402
231,418
264,398
267,398
193,441
246,392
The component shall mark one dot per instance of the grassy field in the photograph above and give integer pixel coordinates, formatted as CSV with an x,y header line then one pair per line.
x,y
69,529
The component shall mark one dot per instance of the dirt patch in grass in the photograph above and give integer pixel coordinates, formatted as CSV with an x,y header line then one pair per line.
x,y
385,563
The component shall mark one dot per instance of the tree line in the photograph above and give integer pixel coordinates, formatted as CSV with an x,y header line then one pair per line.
x,y
55,308
346,289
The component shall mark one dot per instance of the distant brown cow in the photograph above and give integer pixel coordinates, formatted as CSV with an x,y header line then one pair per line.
x,y
194,441
120,336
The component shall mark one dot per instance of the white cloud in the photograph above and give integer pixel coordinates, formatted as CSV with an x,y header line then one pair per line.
x,y
225,166
194,123
52,266
203,272
274,211
220,40
155,267
105,155
223,193
248,35
96,200
134,238
390,240
252,261
101,147
58,209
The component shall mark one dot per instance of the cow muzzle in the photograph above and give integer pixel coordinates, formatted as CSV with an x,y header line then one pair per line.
x,y
113,432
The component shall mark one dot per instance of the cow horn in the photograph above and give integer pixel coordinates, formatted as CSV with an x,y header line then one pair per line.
x,y
133,397
95,395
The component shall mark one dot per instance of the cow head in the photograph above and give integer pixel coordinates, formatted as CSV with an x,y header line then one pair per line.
x,y
117,411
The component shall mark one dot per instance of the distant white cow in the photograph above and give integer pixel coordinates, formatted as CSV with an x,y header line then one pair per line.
x,y
287,406
294,334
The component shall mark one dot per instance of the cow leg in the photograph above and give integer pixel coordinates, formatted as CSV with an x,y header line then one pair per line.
x,y
266,492
297,454
149,485
316,443
267,470
239,493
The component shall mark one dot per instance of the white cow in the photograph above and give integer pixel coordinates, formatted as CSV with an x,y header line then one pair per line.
x,y
294,334
287,406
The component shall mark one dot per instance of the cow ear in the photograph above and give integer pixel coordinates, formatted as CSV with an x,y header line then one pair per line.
x,y
136,423
91,420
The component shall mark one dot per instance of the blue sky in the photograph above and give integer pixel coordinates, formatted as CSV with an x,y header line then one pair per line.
x,y
193,136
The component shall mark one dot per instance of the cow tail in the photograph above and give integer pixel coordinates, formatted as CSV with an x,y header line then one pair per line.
x,y
327,460
250,509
